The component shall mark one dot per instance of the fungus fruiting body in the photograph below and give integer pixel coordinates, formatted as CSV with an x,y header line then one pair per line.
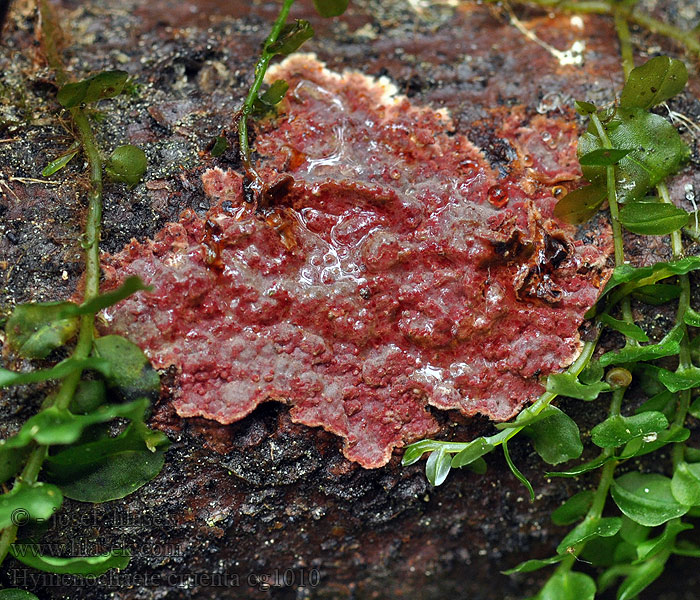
x,y
390,269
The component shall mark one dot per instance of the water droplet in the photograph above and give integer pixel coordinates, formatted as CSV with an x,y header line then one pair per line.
x,y
497,196
469,165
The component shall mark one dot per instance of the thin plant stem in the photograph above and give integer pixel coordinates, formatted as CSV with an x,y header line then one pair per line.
x,y
83,347
623,34
689,39
684,359
510,430
255,182
608,471
618,241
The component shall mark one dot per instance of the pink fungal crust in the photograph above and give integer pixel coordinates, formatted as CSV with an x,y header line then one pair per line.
x,y
397,271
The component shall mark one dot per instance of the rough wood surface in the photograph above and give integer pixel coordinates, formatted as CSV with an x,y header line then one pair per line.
x,y
265,508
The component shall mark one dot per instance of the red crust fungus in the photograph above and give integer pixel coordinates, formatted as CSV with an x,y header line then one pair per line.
x,y
392,269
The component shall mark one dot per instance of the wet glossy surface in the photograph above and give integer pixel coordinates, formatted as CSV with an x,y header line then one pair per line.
x,y
399,271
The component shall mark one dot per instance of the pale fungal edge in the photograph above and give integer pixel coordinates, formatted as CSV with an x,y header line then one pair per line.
x,y
390,93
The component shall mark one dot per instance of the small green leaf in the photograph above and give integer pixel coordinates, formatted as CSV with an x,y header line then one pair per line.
x,y
685,484
618,430
665,541
415,451
668,346
603,552
438,466
27,502
694,347
61,161
109,468
556,437
56,425
680,380
72,94
579,205
584,108
291,37
478,466
658,152
15,594
11,461
642,276
604,156
127,164
34,330
220,146
633,533
567,384
598,527
130,286
574,509
652,442
693,410
525,417
533,565
628,329
646,498
652,218
692,455
31,555
130,370
685,379
471,452
62,369
657,294
591,465
639,578
654,82
331,8
107,84
593,373
266,102
517,472
692,318
90,394
568,585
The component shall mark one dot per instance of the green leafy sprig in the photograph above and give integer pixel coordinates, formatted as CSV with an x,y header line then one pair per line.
x,y
105,378
284,39
626,155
